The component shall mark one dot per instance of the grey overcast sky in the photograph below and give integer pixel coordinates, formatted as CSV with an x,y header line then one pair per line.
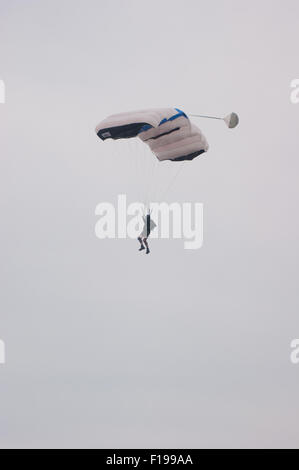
x,y
184,348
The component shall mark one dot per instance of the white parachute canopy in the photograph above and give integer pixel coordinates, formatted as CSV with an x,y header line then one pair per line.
x,y
167,131
161,140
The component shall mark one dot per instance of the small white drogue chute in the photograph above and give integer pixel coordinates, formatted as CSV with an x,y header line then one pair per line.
x,y
231,120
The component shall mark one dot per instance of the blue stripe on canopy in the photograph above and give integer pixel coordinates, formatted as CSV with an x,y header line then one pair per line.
x,y
175,116
180,113
146,127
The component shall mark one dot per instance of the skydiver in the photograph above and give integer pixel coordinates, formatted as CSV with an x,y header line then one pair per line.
x,y
149,225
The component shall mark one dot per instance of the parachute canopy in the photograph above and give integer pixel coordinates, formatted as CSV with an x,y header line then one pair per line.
x,y
168,132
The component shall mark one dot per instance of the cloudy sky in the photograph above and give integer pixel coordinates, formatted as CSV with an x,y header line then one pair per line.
x,y
107,347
